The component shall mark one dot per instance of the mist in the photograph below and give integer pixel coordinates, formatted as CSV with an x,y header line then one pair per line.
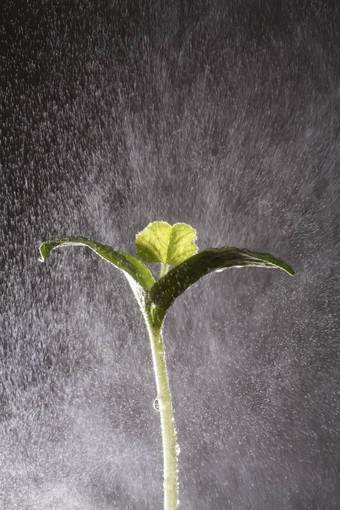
x,y
222,115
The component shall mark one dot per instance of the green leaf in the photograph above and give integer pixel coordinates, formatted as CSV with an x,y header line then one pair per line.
x,y
169,245
123,261
164,292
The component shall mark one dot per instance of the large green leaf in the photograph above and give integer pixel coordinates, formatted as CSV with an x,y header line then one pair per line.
x,y
166,244
175,282
123,261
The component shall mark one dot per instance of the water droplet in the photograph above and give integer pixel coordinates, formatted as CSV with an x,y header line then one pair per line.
x,y
156,404
178,450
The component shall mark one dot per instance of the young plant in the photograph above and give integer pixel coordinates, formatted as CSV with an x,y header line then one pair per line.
x,y
161,243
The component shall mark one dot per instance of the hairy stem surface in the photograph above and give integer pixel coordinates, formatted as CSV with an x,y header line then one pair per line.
x,y
170,447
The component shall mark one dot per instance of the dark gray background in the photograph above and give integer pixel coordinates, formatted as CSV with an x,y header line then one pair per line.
x,y
221,114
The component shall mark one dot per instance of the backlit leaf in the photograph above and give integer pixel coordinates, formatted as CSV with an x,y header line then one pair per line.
x,y
166,244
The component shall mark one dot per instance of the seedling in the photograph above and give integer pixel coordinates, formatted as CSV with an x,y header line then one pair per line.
x,y
171,246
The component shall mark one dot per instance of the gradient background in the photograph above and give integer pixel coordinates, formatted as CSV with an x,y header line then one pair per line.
x,y
221,114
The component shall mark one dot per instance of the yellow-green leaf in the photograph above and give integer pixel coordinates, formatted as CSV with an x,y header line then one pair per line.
x,y
166,244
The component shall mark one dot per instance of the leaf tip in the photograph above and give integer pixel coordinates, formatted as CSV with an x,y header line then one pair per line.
x,y
286,267
291,270
44,251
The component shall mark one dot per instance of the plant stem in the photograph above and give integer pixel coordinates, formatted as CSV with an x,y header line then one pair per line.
x,y
170,447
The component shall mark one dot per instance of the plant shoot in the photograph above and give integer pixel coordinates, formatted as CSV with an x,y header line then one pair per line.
x,y
181,265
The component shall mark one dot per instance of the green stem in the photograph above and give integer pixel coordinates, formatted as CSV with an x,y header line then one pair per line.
x,y
170,447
